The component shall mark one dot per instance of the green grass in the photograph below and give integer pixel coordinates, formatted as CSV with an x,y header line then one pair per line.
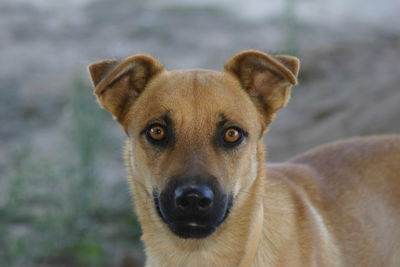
x,y
55,207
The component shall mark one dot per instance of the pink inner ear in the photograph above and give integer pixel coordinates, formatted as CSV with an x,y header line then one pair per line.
x,y
263,82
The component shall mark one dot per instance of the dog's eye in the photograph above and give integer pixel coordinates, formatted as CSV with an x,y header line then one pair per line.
x,y
232,135
156,133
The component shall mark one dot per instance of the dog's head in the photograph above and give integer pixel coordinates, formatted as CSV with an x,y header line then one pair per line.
x,y
194,134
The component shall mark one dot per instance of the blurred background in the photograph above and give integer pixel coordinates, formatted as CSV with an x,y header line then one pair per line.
x,y
64,200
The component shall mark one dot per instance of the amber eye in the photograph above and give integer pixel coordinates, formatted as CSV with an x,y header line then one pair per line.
x,y
156,133
232,135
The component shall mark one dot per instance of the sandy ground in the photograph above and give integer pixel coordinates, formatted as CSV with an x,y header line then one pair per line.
x,y
348,84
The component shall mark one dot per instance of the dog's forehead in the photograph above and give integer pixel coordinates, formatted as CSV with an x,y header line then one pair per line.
x,y
204,89
193,84
197,97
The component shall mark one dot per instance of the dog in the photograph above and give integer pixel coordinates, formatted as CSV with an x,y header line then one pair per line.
x,y
202,192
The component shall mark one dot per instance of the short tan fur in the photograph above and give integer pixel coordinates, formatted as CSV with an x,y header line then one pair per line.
x,y
337,205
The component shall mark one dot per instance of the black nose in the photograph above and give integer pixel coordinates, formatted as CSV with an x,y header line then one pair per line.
x,y
192,206
193,198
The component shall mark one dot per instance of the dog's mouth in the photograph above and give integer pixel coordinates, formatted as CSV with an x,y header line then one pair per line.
x,y
194,225
191,229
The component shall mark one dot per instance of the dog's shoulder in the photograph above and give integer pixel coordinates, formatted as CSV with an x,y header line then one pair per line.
x,y
363,164
376,150
354,163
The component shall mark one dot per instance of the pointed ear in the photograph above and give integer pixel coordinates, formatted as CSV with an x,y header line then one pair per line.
x,y
99,70
118,83
267,79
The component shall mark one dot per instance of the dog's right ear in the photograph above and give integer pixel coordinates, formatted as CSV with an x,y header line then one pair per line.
x,y
118,83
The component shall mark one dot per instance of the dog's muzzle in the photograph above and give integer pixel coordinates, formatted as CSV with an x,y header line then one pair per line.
x,y
193,206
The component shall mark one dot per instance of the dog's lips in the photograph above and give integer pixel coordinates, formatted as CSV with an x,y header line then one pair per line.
x,y
191,229
194,224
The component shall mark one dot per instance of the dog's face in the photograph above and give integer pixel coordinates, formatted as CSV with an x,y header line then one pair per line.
x,y
194,134
189,132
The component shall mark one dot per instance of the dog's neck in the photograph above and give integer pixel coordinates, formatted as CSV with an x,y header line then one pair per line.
x,y
254,238
227,245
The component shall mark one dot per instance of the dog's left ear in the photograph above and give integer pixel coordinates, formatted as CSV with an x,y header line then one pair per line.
x,y
267,79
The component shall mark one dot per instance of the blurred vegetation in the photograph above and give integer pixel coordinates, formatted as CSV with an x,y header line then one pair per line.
x,y
292,27
59,210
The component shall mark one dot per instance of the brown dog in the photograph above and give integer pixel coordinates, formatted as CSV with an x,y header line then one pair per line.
x,y
204,196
